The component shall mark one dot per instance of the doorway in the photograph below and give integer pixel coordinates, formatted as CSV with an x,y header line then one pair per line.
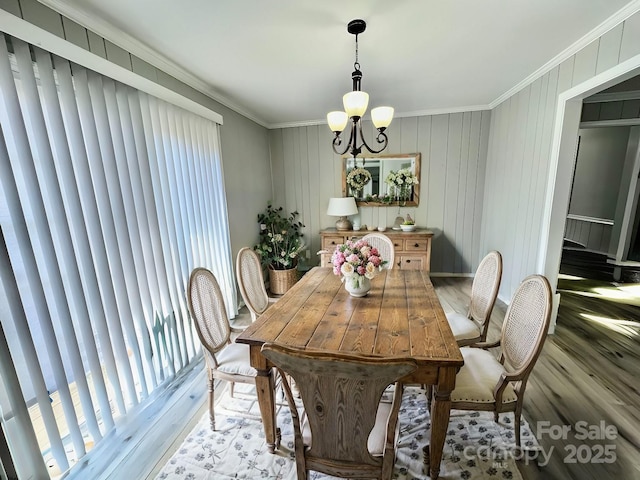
x,y
562,165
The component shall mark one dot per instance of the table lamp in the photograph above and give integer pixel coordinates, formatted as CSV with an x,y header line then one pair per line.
x,y
342,207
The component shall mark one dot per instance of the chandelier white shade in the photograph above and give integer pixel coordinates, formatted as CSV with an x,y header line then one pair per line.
x,y
382,116
355,106
337,120
355,103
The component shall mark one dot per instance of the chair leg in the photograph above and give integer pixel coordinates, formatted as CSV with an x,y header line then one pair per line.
x,y
232,384
212,417
496,417
516,420
429,394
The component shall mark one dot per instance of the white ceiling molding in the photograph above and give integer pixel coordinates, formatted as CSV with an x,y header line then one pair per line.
x,y
130,44
35,35
133,46
597,32
421,113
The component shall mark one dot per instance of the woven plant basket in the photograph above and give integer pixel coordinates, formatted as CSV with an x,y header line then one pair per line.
x,y
282,280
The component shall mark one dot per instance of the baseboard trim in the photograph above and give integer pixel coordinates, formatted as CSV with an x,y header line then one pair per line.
x,y
445,274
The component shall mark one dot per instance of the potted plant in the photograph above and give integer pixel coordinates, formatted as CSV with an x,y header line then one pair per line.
x,y
280,246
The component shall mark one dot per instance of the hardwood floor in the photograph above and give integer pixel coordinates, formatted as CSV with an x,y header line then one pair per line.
x,y
585,381
587,373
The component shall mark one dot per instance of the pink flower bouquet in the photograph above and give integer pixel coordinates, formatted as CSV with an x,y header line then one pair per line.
x,y
356,260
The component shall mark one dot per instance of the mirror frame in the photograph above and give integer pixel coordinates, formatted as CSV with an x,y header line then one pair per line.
x,y
415,198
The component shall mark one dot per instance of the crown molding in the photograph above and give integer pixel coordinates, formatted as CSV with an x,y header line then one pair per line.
x,y
610,23
30,33
135,47
418,113
139,49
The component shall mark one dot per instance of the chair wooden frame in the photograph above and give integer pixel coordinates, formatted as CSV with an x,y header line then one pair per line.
x,y
207,309
341,397
524,331
484,292
384,245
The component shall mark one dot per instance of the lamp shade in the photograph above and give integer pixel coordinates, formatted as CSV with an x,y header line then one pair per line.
x,y
337,121
342,207
355,103
382,116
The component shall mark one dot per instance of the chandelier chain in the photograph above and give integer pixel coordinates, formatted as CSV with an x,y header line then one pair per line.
x,y
356,64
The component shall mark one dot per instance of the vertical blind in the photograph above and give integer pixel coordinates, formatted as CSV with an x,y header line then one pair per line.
x,y
108,198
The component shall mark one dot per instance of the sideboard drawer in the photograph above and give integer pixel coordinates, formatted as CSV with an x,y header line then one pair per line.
x,y
398,245
412,262
330,243
417,245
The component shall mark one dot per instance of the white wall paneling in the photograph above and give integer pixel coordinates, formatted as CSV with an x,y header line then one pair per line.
x,y
306,173
542,195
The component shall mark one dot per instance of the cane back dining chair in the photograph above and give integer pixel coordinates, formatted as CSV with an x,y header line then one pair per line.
x,y
224,359
344,430
498,385
384,245
251,283
473,327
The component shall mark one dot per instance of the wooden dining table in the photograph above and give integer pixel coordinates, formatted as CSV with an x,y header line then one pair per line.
x,y
401,317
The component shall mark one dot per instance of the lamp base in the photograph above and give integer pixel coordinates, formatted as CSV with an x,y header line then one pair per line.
x,y
343,223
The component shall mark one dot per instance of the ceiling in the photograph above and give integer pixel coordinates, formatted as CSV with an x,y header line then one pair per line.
x,y
288,62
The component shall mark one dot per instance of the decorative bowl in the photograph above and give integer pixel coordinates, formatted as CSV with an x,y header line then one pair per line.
x,y
408,228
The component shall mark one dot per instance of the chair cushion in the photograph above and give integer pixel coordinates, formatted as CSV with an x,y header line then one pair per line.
x,y
234,359
478,377
462,327
378,434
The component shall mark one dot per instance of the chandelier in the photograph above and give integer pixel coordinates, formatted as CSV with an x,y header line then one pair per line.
x,y
355,105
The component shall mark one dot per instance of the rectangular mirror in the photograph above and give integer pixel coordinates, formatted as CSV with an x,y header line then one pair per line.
x,y
383,179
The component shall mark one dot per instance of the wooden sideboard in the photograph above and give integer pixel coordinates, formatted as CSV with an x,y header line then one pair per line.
x,y
412,249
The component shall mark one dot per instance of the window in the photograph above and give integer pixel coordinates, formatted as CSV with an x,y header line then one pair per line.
x,y
109,197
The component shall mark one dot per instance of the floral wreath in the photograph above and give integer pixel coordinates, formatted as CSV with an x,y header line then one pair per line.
x,y
358,177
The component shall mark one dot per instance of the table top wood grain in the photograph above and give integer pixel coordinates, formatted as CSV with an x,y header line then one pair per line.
x,y
401,317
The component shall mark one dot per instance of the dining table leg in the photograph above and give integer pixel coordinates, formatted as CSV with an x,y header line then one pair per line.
x,y
440,410
265,384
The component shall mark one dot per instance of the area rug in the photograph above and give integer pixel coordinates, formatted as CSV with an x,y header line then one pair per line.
x,y
476,447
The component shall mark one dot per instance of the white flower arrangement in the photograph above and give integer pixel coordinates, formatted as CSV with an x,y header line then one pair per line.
x,y
357,178
401,183
403,177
